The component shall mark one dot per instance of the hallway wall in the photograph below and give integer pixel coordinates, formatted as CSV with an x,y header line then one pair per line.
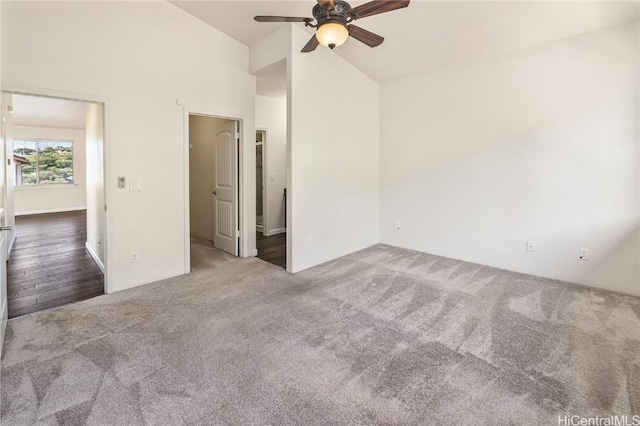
x,y
202,131
271,114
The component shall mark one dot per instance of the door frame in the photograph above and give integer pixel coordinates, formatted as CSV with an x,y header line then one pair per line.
x,y
7,239
265,181
106,152
205,112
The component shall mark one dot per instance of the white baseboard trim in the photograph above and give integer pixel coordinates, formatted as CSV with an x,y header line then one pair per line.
x,y
277,231
95,257
259,228
201,237
66,209
3,323
13,241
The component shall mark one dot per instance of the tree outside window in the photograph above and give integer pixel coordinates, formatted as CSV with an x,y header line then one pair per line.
x,y
40,162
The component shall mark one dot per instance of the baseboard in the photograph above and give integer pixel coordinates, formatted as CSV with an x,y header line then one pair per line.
x,y
198,236
4,315
259,228
66,209
95,257
13,240
277,231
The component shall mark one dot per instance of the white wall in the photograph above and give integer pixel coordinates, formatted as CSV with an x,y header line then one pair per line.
x,y
95,200
202,133
334,156
4,309
271,49
332,153
140,57
36,200
271,115
539,145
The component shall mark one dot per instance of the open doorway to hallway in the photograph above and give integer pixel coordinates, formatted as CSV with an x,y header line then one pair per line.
x,y
271,164
54,202
213,184
261,193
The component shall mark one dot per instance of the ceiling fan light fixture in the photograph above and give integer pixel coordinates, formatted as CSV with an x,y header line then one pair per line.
x,y
332,34
331,18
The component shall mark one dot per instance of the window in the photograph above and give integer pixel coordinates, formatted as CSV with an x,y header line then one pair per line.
x,y
43,162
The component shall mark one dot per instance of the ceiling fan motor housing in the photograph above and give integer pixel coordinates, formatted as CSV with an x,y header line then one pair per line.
x,y
339,14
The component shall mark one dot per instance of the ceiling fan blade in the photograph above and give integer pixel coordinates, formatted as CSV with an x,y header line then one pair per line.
x,y
326,4
281,19
375,7
311,45
367,37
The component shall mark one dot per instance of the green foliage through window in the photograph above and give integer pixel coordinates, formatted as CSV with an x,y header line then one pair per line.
x,y
43,162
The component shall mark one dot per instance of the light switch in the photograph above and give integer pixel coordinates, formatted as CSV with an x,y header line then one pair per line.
x,y
273,176
122,182
135,187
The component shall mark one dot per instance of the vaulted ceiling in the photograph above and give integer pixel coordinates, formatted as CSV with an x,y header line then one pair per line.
x,y
429,34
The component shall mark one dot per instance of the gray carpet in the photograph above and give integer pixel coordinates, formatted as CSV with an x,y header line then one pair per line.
x,y
383,336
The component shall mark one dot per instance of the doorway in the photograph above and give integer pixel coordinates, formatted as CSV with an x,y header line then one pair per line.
x,y
271,164
261,136
55,201
213,184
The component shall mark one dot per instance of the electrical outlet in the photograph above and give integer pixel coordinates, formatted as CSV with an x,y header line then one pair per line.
x,y
531,246
134,257
397,225
583,254
308,241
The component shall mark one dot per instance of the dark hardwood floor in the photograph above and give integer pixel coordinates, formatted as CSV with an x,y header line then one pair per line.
x,y
49,264
272,249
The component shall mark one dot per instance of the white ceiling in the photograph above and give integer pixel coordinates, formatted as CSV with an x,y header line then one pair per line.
x,y
429,34
37,111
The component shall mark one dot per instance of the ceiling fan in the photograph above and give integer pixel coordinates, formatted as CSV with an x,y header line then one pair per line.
x,y
333,22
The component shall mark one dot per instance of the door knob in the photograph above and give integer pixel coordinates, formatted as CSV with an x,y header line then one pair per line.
x,y
215,193
6,228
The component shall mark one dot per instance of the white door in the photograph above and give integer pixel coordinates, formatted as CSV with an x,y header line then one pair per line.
x,y
3,240
225,189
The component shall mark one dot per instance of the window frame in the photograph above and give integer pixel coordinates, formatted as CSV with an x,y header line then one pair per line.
x,y
39,185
